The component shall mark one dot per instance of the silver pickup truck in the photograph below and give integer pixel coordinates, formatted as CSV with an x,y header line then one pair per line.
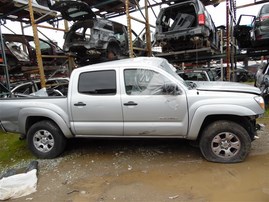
x,y
139,97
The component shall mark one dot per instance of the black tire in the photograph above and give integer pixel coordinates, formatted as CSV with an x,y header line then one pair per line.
x,y
46,140
225,142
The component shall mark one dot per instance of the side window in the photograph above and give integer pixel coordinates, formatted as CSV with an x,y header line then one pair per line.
x,y
145,82
44,46
98,83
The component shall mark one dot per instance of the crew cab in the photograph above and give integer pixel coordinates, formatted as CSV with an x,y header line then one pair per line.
x,y
139,98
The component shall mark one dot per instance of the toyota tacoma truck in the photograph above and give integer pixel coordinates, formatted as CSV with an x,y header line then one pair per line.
x,y
139,98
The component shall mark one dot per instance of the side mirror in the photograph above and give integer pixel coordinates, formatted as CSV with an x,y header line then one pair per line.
x,y
171,89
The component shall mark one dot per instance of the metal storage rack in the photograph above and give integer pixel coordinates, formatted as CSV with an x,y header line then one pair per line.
x,y
38,15
23,11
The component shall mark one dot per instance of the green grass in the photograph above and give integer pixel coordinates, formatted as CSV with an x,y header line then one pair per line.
x,y
266,114
265,119
13,150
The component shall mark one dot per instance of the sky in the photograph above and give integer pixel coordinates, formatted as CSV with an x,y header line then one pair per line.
x,y
218,15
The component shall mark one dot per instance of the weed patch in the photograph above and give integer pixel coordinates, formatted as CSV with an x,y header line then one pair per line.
x,y
13,150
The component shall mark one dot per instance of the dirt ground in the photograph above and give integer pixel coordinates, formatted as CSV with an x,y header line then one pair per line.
x,y
150,171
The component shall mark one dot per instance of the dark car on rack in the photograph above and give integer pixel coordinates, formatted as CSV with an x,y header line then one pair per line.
x,y
199,74
91,39
21,57
260,30
253,31
96,40
185,25
262,75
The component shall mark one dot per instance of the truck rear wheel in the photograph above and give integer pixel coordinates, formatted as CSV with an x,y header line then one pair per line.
x,y
46,140
225,142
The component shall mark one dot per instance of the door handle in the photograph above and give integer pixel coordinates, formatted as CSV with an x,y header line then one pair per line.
x,y
80,104
130,103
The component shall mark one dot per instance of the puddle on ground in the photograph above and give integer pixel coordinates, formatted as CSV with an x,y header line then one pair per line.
x,y
171,175
152,171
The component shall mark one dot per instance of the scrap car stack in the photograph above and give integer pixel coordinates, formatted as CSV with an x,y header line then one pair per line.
x,y
173,93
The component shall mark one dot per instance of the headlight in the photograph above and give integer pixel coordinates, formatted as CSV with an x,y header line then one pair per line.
x,y
260,101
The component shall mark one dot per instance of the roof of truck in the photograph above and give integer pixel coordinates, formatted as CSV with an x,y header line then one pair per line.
x,y
150,61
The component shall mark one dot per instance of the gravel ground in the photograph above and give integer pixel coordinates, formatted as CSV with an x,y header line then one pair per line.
x,y
149,170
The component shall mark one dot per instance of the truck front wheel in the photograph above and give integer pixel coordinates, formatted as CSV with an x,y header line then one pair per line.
x,y
46,140
225,142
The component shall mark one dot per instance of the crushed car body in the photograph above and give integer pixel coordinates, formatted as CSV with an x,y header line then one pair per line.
x,y
185,25
95,40
252,32
21,55
92,39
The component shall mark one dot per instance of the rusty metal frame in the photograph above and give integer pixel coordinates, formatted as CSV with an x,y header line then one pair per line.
x,y
4,59
37,45
147,28
230,18
253,4
230,44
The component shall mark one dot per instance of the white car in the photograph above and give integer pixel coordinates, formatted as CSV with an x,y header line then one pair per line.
x,y
30,87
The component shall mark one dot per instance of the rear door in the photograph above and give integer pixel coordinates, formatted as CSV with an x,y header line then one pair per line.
x,y
96,105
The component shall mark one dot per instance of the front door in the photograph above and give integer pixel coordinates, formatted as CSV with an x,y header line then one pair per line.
x,y
150,107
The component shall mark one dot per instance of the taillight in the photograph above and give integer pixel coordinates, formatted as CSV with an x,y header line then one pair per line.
x,y
1,60
201,19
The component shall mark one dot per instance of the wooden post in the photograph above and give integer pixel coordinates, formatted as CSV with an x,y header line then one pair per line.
x,y
130,40
148,39
37,47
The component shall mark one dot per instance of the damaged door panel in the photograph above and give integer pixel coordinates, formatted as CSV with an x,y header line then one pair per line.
x,y
252,32
242,31
72,10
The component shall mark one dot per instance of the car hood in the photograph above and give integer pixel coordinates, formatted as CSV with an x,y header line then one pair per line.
x,y
223,86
